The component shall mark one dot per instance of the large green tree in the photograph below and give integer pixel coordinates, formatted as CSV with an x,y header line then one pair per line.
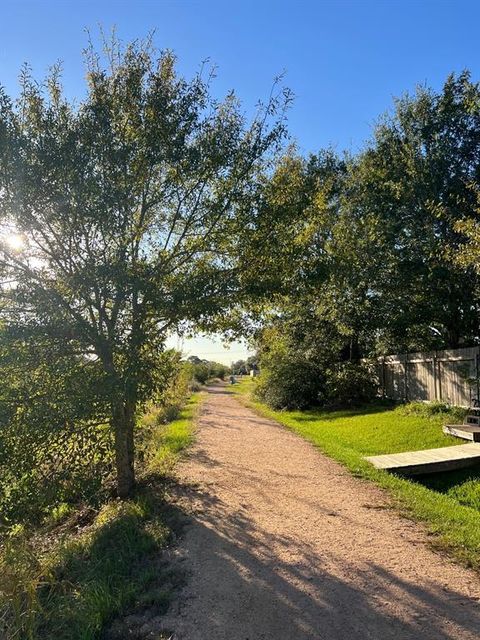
x,y
366,243
417,180
371,236
119,216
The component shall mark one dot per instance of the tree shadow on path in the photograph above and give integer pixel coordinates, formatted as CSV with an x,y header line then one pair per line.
x,y
249,584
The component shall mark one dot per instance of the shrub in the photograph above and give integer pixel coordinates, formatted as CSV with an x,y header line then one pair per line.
x,y
289,385
296,378
201,373
217,370
55,444
347,384
194,386
433,409
288,378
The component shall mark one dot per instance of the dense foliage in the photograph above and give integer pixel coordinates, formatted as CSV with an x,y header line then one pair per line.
x,y
202,370
244,367
376,253
300,371
120,218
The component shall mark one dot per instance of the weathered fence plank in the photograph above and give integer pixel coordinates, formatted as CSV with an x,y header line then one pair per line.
x,y
448,376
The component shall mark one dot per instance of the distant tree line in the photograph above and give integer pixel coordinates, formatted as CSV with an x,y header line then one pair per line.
x,y
202,370
243,367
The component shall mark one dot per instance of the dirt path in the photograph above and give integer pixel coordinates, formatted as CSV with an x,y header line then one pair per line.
x,y
286,545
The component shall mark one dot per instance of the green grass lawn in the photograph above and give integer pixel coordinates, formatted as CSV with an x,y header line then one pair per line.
x,y
449,503
73,590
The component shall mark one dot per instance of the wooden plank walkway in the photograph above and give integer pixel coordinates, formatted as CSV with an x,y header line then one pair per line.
x,y
465,431
429,460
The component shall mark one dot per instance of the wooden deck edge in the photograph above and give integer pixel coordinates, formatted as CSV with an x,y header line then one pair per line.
x,y
427,461
435,467
466,432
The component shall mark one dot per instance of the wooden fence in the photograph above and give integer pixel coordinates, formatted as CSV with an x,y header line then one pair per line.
x,y
449,376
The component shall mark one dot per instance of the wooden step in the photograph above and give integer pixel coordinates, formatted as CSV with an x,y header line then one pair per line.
x,y
413,463
472,420
465,431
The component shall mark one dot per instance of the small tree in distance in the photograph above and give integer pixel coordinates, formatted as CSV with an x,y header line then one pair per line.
x,y
119,215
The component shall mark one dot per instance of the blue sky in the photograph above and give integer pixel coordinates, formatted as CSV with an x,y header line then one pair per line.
x,y
344,60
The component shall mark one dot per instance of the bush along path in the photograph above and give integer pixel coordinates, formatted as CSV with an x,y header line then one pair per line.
x,y
285,543
97,566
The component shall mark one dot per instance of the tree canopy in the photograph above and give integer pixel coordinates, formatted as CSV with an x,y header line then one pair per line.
x,y
382,247
120,215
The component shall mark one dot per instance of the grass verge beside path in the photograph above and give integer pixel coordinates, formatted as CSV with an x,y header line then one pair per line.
x,y
448,503
109,567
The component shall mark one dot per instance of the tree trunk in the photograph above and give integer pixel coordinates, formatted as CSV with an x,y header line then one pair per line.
x,y
123,422
354,355
453,338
